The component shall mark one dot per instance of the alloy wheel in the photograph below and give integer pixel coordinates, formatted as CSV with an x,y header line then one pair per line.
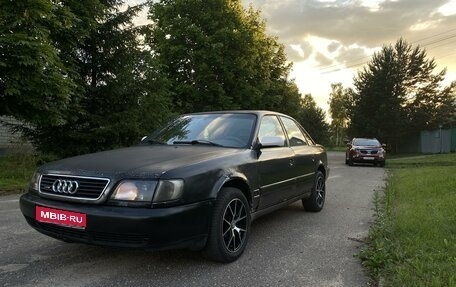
x,y
234,226
320,189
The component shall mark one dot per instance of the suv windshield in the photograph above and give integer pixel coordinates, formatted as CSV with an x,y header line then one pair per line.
x,y
366,142
229,130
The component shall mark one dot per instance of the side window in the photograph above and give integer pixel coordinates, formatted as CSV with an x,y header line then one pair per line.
x,y
310,141
270,126
295,135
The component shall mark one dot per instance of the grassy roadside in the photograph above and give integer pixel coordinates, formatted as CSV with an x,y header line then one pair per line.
x,y
413,239
16,170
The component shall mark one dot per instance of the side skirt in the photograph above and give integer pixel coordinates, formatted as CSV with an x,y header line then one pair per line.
x,y
287,202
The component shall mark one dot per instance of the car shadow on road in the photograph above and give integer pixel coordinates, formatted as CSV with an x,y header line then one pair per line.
x,y
271,224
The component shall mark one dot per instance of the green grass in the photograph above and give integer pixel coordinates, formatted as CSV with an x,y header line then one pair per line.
x,y
413,239
16,170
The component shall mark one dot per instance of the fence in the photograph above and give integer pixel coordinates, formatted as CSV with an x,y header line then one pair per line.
x,y
434,141
8,139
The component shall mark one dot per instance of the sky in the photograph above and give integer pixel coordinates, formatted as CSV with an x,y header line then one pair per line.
x,y
328,41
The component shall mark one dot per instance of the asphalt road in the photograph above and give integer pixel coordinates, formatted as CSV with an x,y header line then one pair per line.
x,y
289,247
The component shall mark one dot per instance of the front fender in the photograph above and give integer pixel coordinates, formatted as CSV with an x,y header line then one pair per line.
x,y
234,179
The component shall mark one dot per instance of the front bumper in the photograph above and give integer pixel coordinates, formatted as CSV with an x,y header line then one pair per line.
x,y
161,228
368,159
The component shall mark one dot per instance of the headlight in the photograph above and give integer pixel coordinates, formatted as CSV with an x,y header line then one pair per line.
x,y
135,190
169,190
35,181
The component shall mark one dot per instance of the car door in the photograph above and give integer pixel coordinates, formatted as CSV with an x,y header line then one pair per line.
x,y
304,156
275,164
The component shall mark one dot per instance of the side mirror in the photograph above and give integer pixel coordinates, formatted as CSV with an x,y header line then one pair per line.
x,y
271,141
349,144
383,145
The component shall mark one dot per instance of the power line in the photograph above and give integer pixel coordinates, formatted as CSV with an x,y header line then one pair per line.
x,y
447,55
336,65
444,44
440,40
344,66
425,38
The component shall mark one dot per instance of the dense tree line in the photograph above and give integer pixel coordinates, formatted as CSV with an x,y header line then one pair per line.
x,y
313,119
82,77
77,75
396,95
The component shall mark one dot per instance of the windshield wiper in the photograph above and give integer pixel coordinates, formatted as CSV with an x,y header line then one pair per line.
x,y
194,142
151,141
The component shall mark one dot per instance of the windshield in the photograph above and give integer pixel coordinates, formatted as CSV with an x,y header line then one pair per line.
x,y
366,142
229,130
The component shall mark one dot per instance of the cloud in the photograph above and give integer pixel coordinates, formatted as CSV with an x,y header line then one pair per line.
x,y
323,60
352,55
333,47
299,51
332,39
349,22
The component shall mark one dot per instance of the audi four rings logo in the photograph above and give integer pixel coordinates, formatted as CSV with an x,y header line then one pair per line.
x,y
65,186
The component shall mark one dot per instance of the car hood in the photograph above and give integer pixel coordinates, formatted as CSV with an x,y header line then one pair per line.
x,y
367,147
149,161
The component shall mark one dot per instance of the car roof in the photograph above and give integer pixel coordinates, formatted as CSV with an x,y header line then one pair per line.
x,y
364,139
255,112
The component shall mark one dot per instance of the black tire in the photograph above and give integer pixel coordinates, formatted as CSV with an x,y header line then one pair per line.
x,y
230,226
350,162
346,158
316,201
381,164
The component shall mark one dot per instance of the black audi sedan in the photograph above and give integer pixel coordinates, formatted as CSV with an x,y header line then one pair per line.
x,y
196,183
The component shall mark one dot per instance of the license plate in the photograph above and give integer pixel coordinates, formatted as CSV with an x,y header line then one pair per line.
x,y
60,217
368,158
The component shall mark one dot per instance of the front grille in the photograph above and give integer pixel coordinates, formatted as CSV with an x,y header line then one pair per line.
x,y
89,236
369,151
89,188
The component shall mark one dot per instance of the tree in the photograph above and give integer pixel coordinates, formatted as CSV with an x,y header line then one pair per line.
x,y
35,86
398,94
217,56
123,94
117,91
339,105
312,118
432,107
